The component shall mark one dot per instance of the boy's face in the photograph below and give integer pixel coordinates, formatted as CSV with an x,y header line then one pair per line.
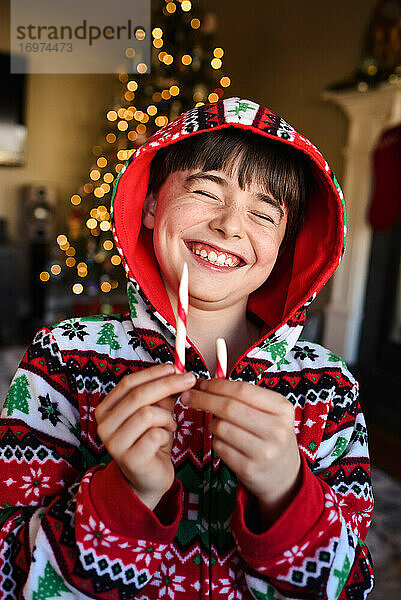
x,y
229,237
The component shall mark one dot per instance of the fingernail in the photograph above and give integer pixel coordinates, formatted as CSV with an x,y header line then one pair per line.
x,y
185,397
188,377
168,368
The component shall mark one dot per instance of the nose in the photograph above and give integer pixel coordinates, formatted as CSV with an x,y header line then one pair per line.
x,y
228,222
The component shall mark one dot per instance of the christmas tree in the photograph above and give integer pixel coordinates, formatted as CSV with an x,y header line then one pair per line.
x,y
18,396
186,72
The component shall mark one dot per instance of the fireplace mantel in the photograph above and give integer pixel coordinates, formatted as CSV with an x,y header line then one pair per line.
x,y
369,114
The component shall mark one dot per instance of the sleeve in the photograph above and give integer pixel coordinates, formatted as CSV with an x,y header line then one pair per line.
x,y
65,528
316,547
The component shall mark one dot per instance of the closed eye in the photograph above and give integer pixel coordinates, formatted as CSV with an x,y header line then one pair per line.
x,y
204,194
266,218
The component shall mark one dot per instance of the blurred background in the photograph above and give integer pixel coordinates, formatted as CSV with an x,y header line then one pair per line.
x,y
332,70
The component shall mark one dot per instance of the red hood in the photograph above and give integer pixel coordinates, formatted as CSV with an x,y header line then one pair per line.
x,y
301,270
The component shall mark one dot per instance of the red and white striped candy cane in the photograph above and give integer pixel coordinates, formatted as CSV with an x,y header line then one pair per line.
x,y
181,330
221,352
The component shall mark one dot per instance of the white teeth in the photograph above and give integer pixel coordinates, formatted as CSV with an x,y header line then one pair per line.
x,y
214,258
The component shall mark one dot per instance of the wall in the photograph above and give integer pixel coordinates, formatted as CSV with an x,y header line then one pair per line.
x,y
65,118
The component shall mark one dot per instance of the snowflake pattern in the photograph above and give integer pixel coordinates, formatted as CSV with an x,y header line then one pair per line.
x,y
74,329
49,410
304,352
166,579
292,554
330,503
146,551
135,340
98,534
36,482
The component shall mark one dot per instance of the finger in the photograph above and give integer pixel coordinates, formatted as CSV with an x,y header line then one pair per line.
x,y
148,393
129,382
252,395
243,441
141,453
233,458
244,416
136,426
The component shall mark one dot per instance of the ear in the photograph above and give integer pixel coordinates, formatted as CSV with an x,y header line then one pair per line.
x,y
148,211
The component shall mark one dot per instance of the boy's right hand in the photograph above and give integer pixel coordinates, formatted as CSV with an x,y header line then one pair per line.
x,y
135,422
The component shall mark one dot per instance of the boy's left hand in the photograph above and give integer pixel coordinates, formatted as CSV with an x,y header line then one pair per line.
x,y
254,435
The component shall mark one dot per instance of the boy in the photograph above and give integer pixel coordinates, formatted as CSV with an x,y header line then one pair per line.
x,y
122,478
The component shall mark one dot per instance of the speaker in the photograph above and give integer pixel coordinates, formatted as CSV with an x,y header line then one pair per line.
x,y
38,213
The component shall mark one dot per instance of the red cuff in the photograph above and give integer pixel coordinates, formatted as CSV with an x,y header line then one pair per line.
x,y
126,515
291,527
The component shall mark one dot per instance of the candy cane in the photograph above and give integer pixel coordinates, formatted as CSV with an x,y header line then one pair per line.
x,y
221,351
182,310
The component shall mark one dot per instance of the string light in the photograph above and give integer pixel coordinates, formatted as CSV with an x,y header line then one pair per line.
x,y
108,244
110,138
158,43
218,52
129,96
112,115
213,97
44,276
94,174
70,251
70,262
141,68
75,199
186,5
130,53
157,32
55,269
115,260
170,7
61,239
186,59
77,288
225,81
152,110
195,23
105,286
105,225
91,223
101,162
108,177
140,33
174,90
216,63
88,188
122,125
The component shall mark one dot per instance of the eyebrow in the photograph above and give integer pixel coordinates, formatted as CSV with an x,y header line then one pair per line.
x,y
221,181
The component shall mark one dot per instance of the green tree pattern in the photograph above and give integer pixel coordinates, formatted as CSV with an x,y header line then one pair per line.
x,y
18,395
50,585
108,336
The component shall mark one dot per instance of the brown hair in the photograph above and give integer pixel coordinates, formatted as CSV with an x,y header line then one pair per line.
x,y
280,170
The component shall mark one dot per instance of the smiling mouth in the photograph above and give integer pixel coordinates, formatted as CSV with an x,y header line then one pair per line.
x,y
214,256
